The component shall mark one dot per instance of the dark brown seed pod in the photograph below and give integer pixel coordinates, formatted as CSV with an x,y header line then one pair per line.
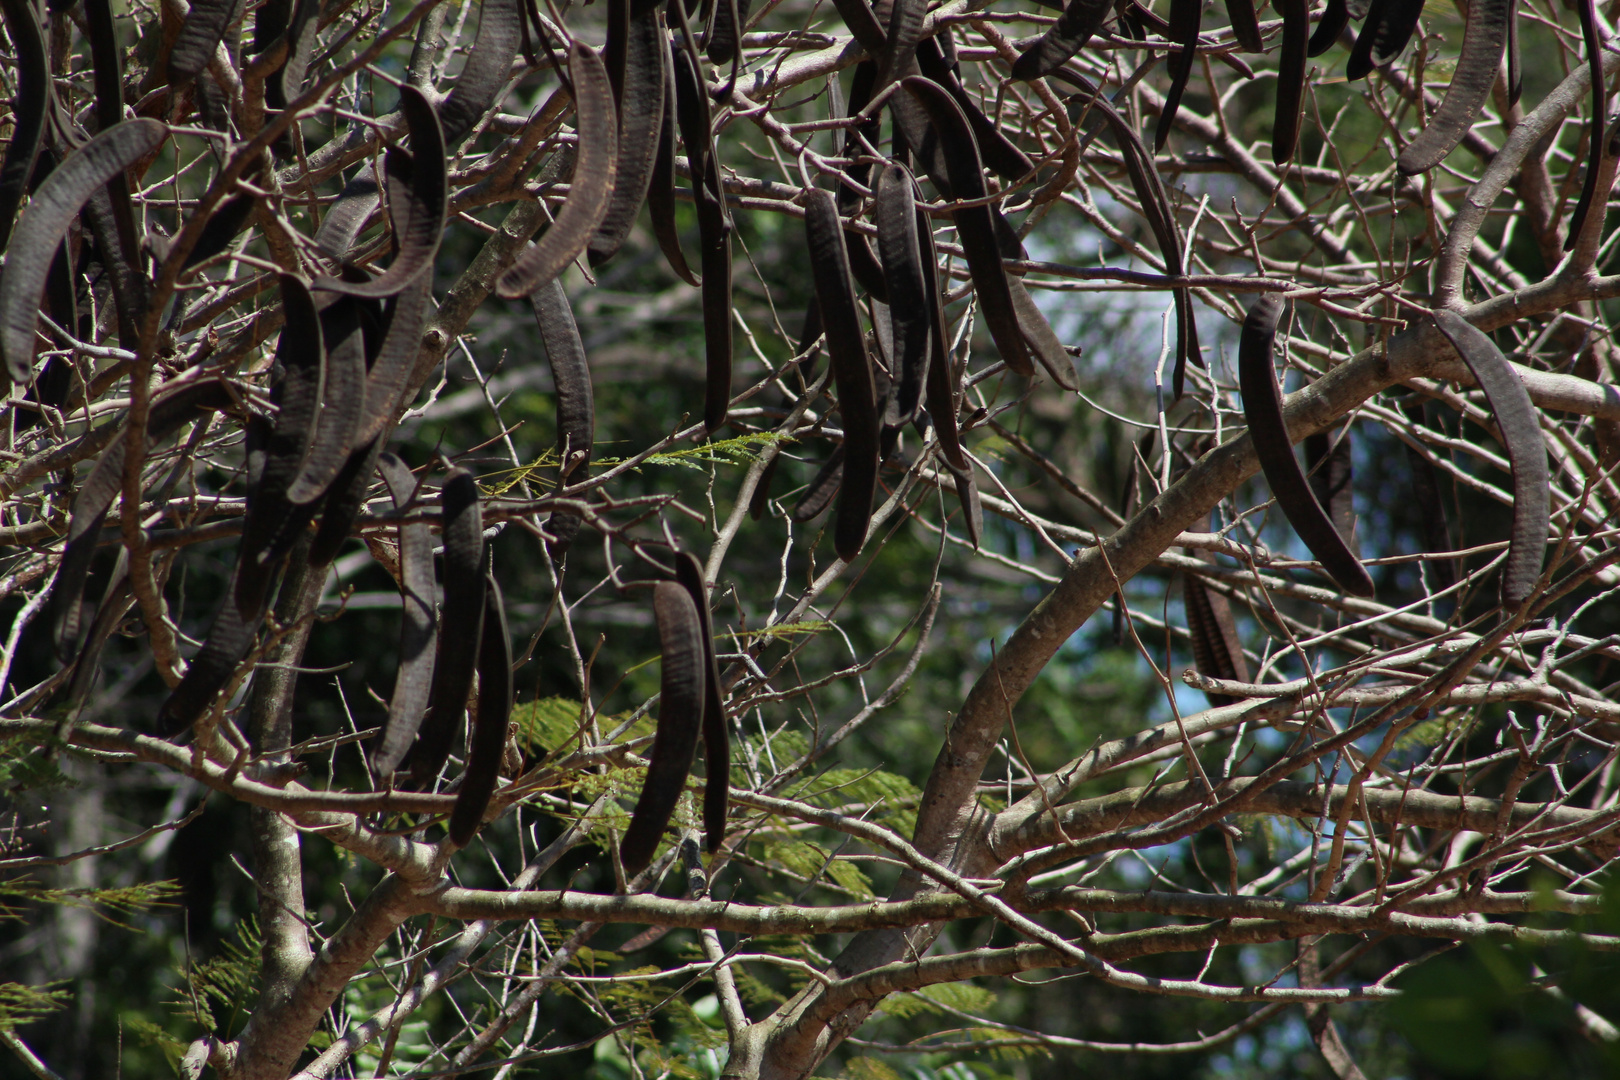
x,y
343,400
730,16
1515,70
641,114
224,225
1328,467
28,108
576,409
346,217
204,28
761,500
967,493
1431,508
910,316
1185,19
1245,25
1262,409
1334,19
863,23
823,486
494,711
299,21
716,736
939,392
390,372
1064,38
1520,425
1484,38
680,717
904,32
974,225
1292,62
488,66
44,222
661,190
229,638
422,175
107,63
1384,35
344,501
591,188
851,367
418,627
999,153
1360,62
461,620
1599,108
1217,650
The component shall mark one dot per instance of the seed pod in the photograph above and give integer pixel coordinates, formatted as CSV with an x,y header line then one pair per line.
x,y
44,222
27,108
1185,19
224,226
488,66
661,190
730,16
940,394
1064,38
999,153
1217,649
761,500
910,316
1517,419
1600,96
1484,38
1292,62
494,711
1334,19
462,621
716,736
229,638
422,175
851,367
1431,509
418,627
972,509
343,503
680,713
396,357
903,34
576,410
1262,409
1329,469
1388,27
107,64
343,400
204,28
1245,25
823,486
864,25
1039,336
641,114
591,188
344,219
300,22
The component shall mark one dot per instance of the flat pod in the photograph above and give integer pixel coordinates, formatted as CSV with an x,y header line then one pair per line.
x,y
1292,62
1521,430
1484,38
1064,38
680,717
823,487
1217,650
1185,17
1334,19
661,189
494,712
716,737
489,65
1245,25
589,192
904,33
390,372
974,225
910,316
1262,409
851,367
343,502
210,670
730,16
641,114
429,192
939,394
224,225
576,408
44,222
348,215
999,153
1329,468
200,34
343,399
28,108
1600,93
461,621
418,626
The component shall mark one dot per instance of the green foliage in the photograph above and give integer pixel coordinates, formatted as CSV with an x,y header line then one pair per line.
x,y
866,1068
25,767
21,1004
963,997
229,981
109,903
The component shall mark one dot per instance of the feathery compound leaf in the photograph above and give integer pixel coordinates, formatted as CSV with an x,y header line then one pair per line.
x,y
910,315
1262,409
429,193
716,736
851,367
461,621
680,716
1517,419
591,189
494,712
641,116
1484,38
27,108
1064,38
418,626
45,221
576,409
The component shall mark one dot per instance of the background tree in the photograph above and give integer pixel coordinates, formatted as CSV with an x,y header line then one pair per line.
x,y
260,245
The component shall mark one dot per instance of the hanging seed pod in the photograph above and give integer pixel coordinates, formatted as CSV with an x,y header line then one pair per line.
x,y
1484,38
418,627
716,736
494,711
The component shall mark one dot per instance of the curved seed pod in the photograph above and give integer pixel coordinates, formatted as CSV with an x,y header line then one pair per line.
x,y
1064,38
27,108
462,619
1217,650
1245,25
224,226
809,335
1484,38
1515,71
680,714
494,711
1185,19
823,486
576,409
910,316
272,521
940,394
1334,19
1431,508
107,63
641,114
863,23
1394,28
761,500
199,36
591,188
861,262
972,509
346,497
115,604
903,33
851,367
1360,63
1292,63
229,638
999,153
1329,469
500,29
716,737
44,222
386,381
1262,409
417,630
1042,340
343,400
1600,94
974,225
730,16
344,219
1521,431
661,191
422,175
300,21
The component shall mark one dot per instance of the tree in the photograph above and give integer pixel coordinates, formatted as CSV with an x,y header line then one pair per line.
x,y
266,299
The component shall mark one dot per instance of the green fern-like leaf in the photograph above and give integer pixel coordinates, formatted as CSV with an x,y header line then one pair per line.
x,y
21,1004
